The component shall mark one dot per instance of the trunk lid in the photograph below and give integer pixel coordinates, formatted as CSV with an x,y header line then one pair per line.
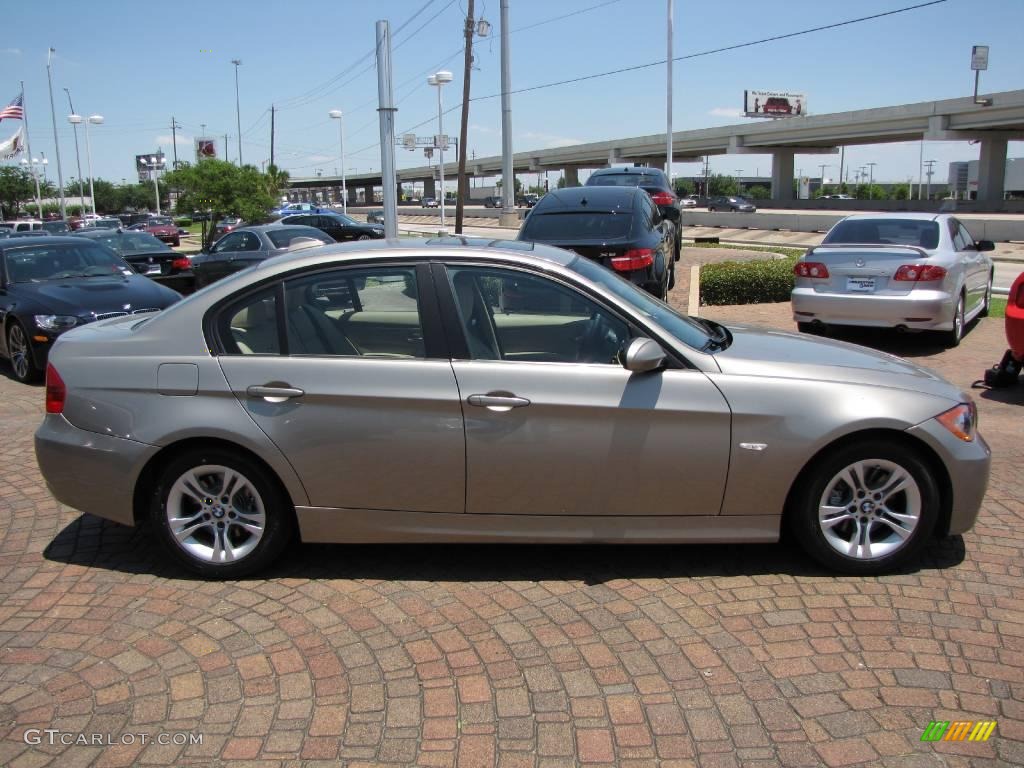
x,y
863,269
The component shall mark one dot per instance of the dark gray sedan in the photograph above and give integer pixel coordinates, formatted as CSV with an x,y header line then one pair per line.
x,y
251,245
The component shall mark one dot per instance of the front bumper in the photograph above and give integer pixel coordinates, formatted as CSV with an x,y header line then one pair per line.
x,y
919,309
91,472
968,466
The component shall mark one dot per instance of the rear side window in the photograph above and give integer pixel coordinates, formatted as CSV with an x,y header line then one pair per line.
x,y
917,232
625,180
249,326
577,225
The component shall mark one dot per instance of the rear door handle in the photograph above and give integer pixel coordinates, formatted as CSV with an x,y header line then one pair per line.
x,y
274,394
498,402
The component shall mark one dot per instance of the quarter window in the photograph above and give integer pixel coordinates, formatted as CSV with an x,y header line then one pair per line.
x,y
249,327
516,317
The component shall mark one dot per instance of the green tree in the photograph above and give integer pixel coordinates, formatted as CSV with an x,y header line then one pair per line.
x,y
722,185
685,187
900,191
759,192
222,188
560,184
108,197
16,187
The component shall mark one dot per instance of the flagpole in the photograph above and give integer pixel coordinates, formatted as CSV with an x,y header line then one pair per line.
x,y
28,147
56,139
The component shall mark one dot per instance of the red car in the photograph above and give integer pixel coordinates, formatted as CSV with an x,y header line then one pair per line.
x,y
1007,372
163,228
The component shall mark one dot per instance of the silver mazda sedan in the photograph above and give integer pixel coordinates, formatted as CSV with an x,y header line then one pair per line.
x,y
458,390
910,271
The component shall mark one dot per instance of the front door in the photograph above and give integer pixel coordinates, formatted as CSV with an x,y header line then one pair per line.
x,y
556,426
349,393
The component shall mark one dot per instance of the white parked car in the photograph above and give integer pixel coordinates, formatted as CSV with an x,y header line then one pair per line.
x,y
688,202
909,271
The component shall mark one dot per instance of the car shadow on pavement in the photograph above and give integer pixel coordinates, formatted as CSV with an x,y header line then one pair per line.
x,y
93,542
8,373
1009,395
910,344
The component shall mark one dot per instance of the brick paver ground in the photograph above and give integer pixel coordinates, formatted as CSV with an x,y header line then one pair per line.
x,y
514,656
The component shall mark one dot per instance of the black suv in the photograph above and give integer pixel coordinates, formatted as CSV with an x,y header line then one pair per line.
x,y
653,181
337,225
529,200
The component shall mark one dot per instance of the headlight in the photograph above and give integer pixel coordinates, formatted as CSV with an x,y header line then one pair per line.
x,y
56,322
961,421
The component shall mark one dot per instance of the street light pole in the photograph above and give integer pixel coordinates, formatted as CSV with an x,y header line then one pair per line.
x,y
340,117
78,158
871,179
439,80
238,113
154,163
508,211
56,141
95,120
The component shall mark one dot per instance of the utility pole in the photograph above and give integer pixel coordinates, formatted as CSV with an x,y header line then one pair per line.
x,y
928,174
238,113
272,136
668,127
226,136
871,179
842,159
509,217
174,141
462,187
386,116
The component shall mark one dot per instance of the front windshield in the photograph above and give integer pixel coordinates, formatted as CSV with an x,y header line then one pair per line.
x,y
682,327
42,263
107,223
159,221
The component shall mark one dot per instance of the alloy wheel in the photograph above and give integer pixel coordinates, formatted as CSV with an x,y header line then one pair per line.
x,y
870,509
17,345
215,514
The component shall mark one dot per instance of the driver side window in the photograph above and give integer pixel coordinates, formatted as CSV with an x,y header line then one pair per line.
x,y
518,317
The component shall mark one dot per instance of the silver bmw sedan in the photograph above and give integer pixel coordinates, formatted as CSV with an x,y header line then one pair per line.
x,y
473,391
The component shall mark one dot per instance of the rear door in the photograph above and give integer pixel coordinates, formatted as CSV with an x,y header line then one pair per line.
x,y
974,263
555,425
364,427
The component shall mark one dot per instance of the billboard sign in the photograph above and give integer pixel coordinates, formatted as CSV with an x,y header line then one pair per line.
x,y
774,104
205,148
148,162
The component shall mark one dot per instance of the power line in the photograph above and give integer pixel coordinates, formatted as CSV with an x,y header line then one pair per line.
x,y
564,16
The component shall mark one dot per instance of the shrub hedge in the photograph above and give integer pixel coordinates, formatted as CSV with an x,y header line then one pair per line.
x,y
746,282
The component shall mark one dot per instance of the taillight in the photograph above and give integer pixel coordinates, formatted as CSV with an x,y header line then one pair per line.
x,y
636,258
663,198
56,392
810,269
182,262
919,273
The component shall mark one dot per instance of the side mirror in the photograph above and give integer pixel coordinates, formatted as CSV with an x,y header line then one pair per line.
x,y
985,245
643,356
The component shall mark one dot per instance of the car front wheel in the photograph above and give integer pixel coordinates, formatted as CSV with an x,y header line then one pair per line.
x,y
19,350
866,508
219,515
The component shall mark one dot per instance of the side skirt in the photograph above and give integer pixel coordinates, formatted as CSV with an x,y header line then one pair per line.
x,y
372,526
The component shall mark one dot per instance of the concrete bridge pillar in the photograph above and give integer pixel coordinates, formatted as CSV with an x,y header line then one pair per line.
x,y
782,174
992,170
572,176
368,194
429,187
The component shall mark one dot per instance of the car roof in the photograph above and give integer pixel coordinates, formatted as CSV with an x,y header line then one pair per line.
x,y
628,169
36,241
279,224
907,215
583,198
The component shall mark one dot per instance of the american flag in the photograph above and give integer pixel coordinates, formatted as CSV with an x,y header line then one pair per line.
x,y
14,110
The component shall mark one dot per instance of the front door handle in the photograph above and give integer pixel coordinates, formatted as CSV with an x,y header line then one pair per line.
x,y
274,394
498,402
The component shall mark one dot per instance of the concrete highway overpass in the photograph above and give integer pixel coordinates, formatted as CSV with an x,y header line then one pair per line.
x,y
947,120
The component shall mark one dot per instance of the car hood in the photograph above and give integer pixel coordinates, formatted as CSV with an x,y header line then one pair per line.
x,y
779,354
98,295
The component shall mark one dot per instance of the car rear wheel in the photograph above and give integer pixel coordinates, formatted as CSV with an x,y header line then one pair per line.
x,y
866,508
814,329
219,515
952,337
19,350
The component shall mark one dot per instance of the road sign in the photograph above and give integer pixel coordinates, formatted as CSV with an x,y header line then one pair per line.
x,y
440,141
979,57
409,140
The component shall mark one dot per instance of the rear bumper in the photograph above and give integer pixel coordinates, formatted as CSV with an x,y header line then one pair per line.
x,y
920,310
91,472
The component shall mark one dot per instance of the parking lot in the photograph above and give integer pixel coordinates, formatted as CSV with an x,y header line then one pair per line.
x,y
515,656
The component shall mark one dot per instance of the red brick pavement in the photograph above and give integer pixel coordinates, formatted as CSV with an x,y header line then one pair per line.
x,y
514,656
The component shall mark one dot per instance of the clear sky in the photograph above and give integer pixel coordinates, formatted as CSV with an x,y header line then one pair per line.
x,y
139,64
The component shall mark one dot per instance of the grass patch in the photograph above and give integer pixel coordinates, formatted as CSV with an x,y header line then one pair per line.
x,y
997,308
791,252
747,282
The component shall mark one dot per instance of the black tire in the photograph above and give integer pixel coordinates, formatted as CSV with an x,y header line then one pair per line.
x,y
952,338
679,248
987,304
813,329
671,276
363,237
277,510
821,476
19,352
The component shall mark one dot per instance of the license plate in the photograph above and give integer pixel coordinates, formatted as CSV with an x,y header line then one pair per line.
x,y
153,269
860,284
